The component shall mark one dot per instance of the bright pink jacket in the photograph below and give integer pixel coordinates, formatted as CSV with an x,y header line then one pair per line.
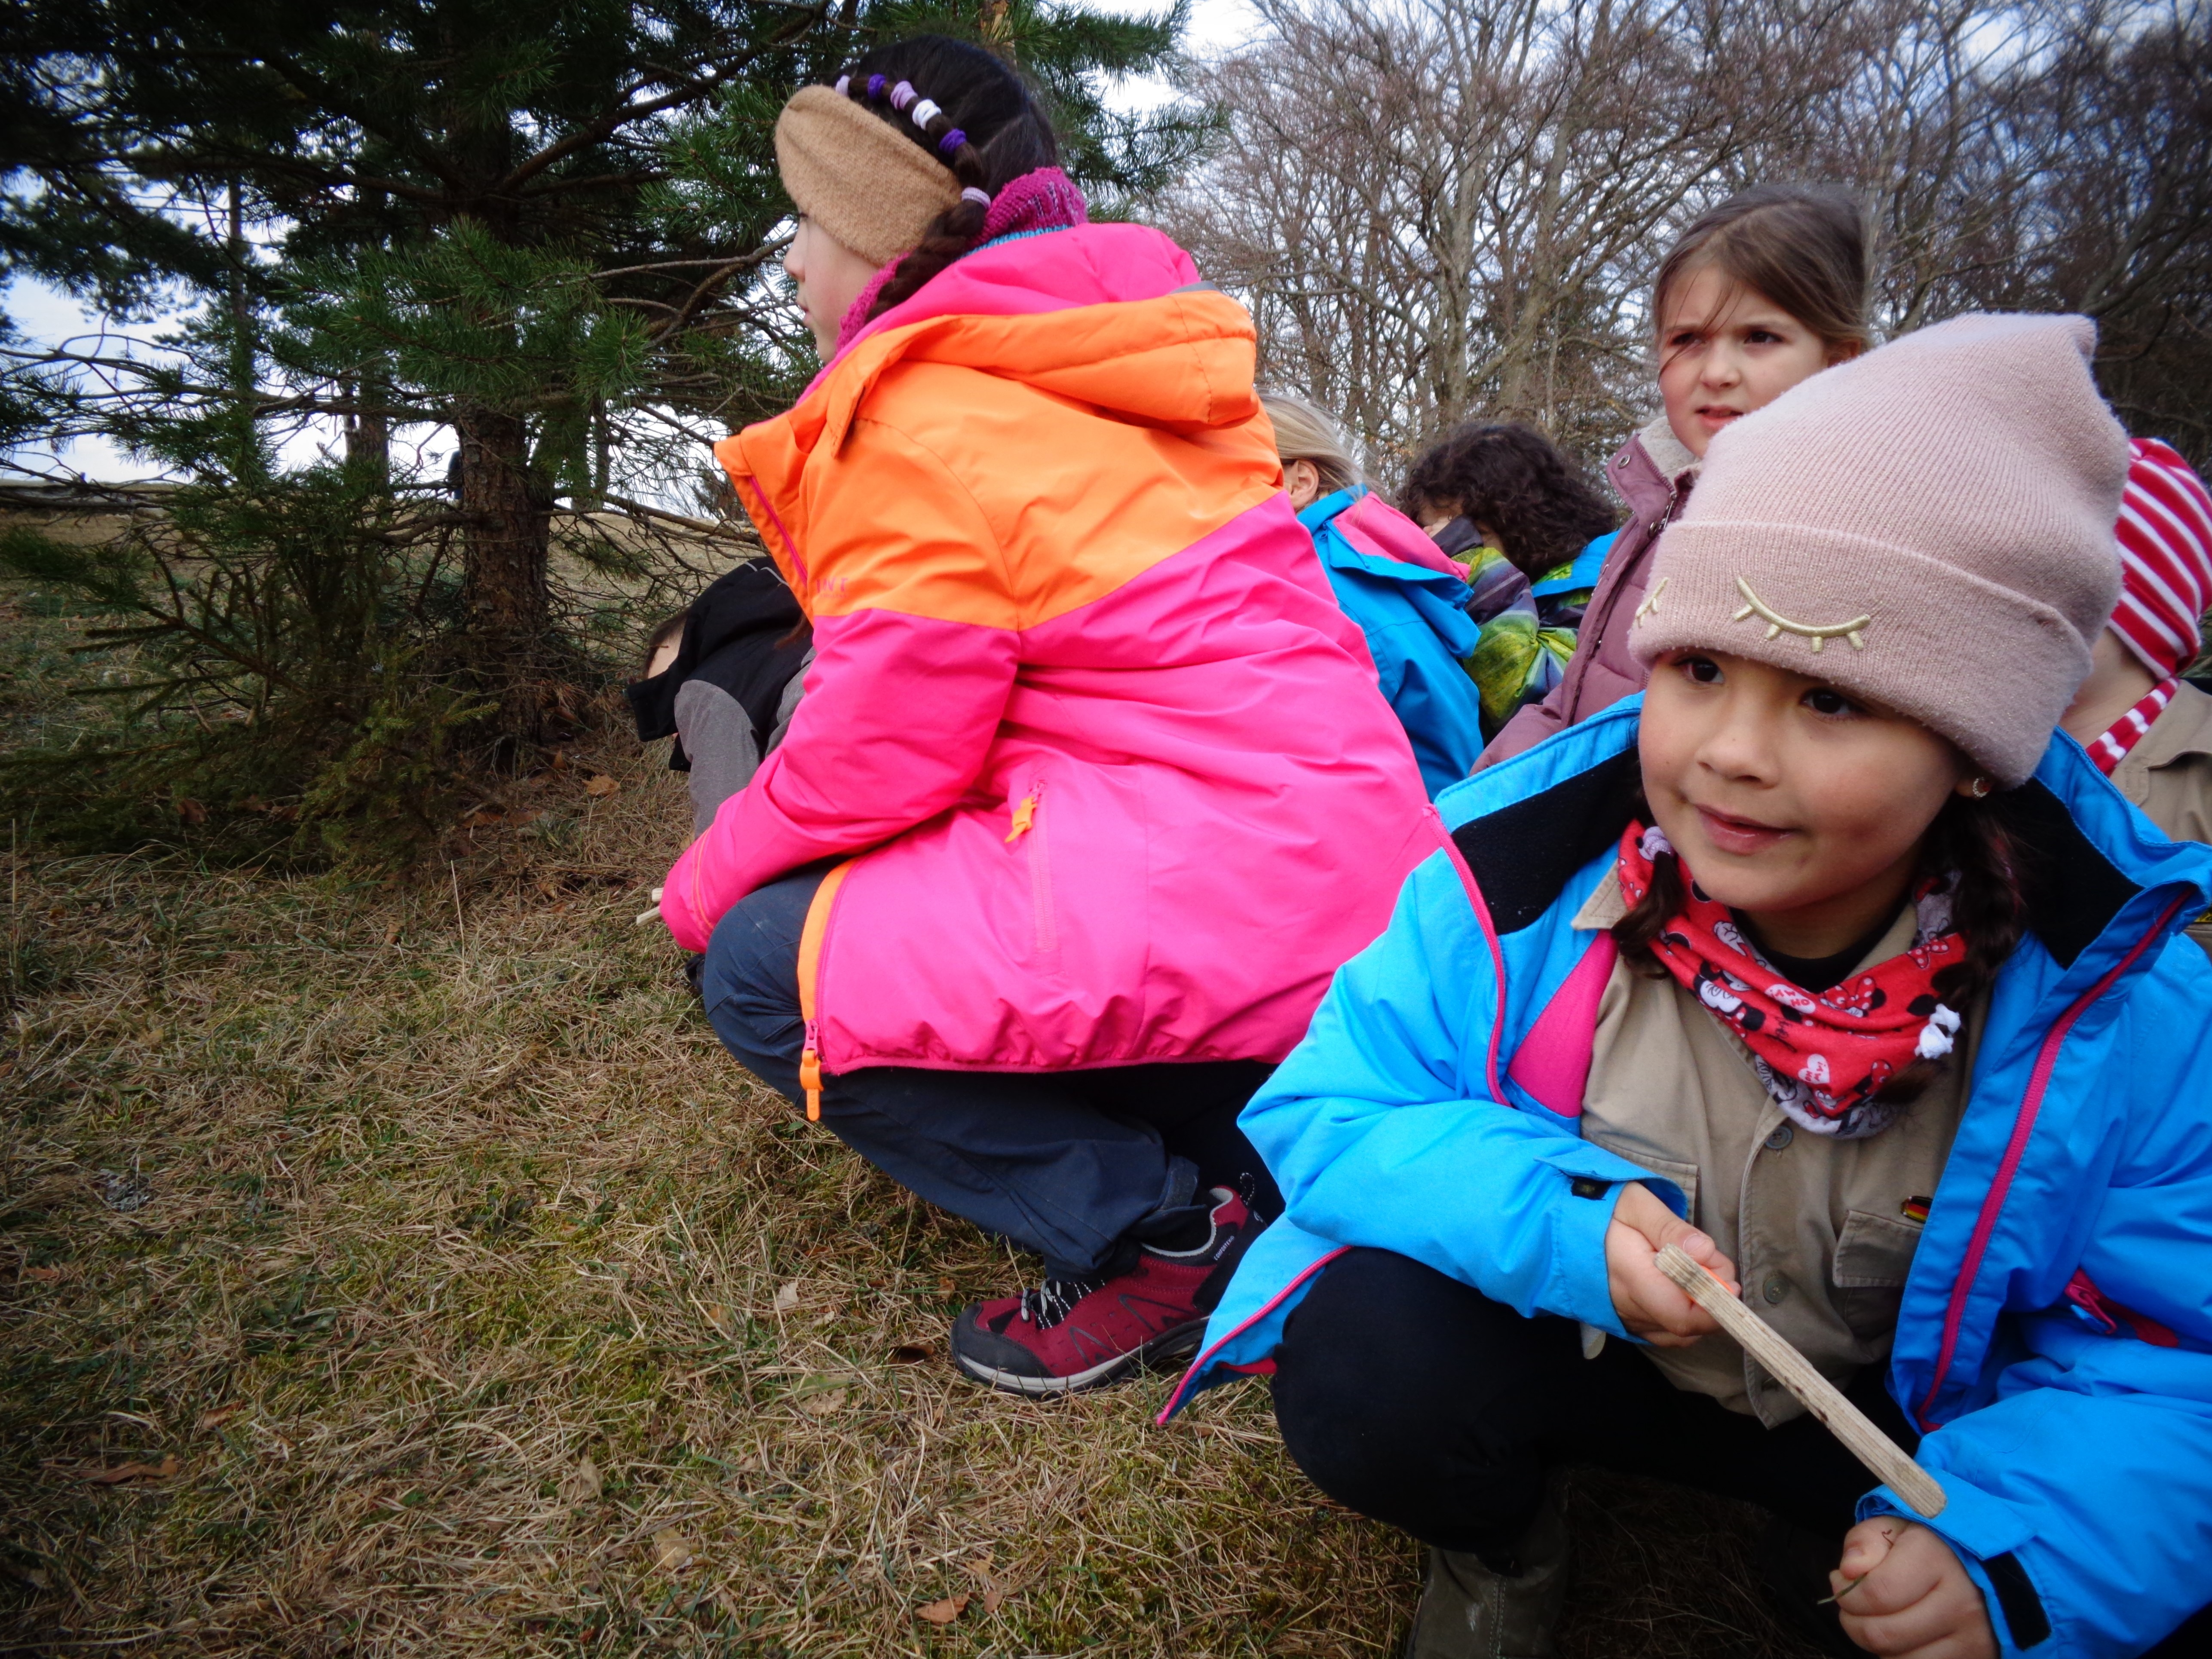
x,y
1108,762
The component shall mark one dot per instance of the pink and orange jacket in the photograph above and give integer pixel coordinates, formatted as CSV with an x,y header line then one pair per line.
x,y
1106,763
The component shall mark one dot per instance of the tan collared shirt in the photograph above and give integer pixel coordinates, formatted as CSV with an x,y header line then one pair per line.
x,y
1821,1231
2168,774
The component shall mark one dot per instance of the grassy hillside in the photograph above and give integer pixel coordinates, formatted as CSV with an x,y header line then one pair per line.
x,y
404,1270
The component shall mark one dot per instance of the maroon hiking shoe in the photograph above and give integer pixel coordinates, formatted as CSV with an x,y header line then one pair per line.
x,y
1070,1334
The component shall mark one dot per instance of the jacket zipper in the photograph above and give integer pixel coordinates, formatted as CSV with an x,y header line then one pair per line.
x,y
811,936
1029,821
2031,1105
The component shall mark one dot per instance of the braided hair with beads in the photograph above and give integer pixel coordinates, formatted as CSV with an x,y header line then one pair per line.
x,y
969,110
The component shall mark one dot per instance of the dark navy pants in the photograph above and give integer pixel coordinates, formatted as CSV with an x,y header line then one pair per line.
x,y
1079,1166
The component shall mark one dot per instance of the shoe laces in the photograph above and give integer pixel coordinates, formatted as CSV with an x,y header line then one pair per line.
x,y
1046,1305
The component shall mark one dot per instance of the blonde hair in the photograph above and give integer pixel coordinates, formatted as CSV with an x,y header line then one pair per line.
x,y
1303,432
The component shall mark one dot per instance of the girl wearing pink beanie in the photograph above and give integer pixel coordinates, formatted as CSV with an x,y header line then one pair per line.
x,y
1826,962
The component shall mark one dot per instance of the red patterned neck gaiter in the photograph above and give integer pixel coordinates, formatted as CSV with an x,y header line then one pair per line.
x,y
1821,1058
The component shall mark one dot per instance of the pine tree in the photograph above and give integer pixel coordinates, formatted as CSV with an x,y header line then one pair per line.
x,y
553,229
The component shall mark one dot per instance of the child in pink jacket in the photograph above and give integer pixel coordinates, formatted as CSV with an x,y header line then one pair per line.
x,y
1090,788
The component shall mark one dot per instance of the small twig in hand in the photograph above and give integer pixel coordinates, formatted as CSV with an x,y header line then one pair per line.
x,y
1842,1593
1882,1455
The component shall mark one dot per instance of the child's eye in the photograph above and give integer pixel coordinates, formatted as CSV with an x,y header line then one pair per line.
x,y
1762,337
1830,703
1701,671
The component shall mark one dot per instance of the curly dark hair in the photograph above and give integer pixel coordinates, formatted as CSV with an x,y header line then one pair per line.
x,y
982,100
1513,479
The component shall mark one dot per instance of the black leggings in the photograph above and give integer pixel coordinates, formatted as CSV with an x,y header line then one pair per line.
x,y
1407,1396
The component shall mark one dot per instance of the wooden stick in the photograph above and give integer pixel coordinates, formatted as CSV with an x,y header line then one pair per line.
x,y
1883,1455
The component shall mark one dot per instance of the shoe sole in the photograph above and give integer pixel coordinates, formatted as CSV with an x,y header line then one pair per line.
x,y
1170,1347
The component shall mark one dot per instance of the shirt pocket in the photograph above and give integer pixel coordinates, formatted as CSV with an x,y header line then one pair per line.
x,y
1684,1176
1874,1255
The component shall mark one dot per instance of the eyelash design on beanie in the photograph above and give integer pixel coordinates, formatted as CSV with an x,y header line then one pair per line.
x,y
1819,633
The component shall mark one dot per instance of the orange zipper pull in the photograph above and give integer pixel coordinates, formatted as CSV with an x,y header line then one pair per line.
x,y
810,1076
1025,815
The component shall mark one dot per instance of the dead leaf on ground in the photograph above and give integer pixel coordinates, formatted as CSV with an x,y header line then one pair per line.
x,y
945,1287
600,784
945,1612
583,1483
219,1416
483,818
721,1319
41,1273
671,1551
914,1353
994,1594
821,1404
190,811
122,1472
787,1297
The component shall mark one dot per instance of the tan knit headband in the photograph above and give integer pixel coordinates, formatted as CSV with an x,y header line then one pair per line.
x,y
857,176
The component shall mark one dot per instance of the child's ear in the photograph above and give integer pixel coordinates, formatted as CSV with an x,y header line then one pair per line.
x,y
1975,786
1842,351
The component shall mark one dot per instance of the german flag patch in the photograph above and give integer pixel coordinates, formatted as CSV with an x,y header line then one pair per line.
x,y
1915,1210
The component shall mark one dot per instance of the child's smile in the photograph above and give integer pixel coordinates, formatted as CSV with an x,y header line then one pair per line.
x,y
1744,836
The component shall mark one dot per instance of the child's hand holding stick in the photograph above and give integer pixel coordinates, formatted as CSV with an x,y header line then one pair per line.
x,y
1883,1455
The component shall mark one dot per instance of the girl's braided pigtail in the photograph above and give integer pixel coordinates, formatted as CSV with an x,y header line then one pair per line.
x,y
953,232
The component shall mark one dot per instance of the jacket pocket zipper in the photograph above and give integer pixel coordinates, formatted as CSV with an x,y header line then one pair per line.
x,y
1029,821
811,937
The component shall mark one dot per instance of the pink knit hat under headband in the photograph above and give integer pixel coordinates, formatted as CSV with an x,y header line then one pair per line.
x,y
2165,534
1929,526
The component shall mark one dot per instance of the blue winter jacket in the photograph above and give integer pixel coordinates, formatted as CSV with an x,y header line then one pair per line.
x,y
2055,1339
1418,631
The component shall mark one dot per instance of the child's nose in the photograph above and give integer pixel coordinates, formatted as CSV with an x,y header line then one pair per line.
x,y
1738,747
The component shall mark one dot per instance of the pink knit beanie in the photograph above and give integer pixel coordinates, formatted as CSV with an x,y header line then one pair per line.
x,y
1929,526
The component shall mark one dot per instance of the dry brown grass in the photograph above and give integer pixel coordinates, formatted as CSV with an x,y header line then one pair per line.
x,y
454,1298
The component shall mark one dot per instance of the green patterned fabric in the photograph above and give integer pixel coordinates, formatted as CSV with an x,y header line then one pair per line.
x,y
1518,659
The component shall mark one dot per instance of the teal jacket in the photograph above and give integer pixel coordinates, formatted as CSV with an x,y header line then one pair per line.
x,y
2054,1343
1411,604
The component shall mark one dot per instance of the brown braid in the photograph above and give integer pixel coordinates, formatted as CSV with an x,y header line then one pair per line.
x,y
977,94
1968,837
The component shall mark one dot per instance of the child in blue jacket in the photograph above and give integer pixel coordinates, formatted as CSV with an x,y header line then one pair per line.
x,y
1827,961
1411,601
